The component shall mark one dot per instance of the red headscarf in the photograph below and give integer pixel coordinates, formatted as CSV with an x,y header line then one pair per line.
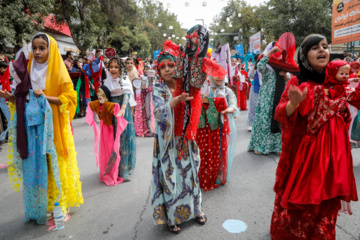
x,y
285,59
336,87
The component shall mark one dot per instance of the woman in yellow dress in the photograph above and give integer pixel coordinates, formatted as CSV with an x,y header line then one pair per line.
x,y
49,77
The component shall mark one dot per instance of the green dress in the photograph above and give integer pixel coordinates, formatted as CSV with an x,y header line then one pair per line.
x,y
262,140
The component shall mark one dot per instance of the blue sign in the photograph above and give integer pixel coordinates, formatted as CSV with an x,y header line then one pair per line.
x,y
240,49
156,54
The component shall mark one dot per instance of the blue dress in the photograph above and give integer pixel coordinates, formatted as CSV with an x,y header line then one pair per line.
x,y
34,170
127,139
231,102
176,194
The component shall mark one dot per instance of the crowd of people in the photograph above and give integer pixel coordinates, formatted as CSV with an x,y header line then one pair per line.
x,y
302,108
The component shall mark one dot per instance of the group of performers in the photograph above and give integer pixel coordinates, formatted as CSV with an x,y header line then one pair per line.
x,y
190,111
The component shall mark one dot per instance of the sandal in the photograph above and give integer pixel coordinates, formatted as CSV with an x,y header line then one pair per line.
x,y
50,215
200,218
172,229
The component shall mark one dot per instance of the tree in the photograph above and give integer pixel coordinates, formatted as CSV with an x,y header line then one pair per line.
x,y
85,19
153,14
19,19
247,23
301,17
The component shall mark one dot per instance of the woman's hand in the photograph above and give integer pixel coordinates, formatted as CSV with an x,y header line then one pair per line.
x,y
354,80
181,98
273,50
184,97
296,96
228,110
7,95
38,92
121,113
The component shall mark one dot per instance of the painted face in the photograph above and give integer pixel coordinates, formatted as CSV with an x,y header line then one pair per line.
x,y
114,69
167,69
40,50
233,62
218,81
342,74
318,56
101,96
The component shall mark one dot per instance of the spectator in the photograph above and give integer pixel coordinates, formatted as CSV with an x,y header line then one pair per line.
x,y
68,60
98,53
86,60
348,60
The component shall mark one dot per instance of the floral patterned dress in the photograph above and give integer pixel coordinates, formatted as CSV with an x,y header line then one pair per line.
x,y
42,160
176,194
262,140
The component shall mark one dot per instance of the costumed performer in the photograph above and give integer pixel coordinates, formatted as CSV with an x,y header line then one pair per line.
x,y
49,78
216,135
122,93
176,194
315,220
143,114
266,132
31,132
254,94
323,166
234,77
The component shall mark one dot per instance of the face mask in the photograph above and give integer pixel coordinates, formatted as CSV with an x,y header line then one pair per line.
x,y
101,96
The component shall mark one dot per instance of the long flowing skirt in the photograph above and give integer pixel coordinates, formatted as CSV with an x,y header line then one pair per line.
x,y
127,142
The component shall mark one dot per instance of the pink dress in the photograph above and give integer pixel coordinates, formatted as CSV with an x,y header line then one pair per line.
x,y
109,159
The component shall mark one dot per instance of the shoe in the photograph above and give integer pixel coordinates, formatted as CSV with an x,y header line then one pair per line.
x,y
199,218
172,229
250,129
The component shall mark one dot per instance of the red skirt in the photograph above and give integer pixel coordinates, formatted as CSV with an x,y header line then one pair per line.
x,y
322,168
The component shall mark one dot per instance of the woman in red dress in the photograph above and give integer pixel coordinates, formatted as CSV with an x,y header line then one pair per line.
x,y
308,219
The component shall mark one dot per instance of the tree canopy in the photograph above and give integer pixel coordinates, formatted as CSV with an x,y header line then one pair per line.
x,y
20,18
301,17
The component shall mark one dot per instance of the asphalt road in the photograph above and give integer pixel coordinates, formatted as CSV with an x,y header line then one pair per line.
x,y
124,211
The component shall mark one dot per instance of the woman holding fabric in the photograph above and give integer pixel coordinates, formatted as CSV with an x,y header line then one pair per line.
x,y
49,80
177,106
176,194
301,220
121,89
278,59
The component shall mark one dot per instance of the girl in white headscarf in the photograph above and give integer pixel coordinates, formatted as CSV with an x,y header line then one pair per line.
x,y
122,93
217,135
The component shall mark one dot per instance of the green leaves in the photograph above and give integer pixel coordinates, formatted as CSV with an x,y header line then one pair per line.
x,y
301,17
19,20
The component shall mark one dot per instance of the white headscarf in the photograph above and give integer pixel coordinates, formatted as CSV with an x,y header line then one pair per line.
x,y
220,91
117,89
38,70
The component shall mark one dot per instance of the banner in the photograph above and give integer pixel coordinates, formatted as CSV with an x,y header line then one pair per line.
x,y
255,43
240,49
156,53
345,21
